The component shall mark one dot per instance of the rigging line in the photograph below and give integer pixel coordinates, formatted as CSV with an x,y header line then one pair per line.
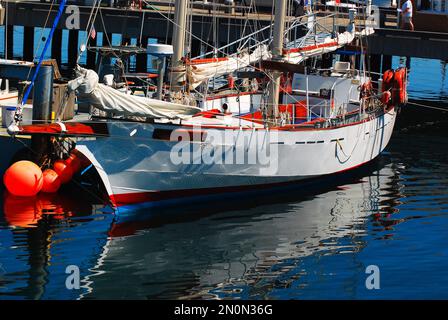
x,y
89,30
189,32
40,38
109,41
427,106
47,44
142,27
168,25
89,20
6,29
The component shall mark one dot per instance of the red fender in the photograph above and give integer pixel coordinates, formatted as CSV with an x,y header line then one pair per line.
x,y
399,95
388,75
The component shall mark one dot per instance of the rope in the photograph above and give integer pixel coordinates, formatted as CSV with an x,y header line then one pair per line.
x,y
427,106
18,113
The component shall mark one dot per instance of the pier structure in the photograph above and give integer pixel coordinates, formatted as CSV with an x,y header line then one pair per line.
x,y
135,26
209,29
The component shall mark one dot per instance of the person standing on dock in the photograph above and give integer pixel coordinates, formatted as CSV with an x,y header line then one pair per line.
x,y
406,16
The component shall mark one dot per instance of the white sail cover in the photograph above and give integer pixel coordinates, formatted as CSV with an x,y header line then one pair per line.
x,y
198,73
323,45
108,99
297,52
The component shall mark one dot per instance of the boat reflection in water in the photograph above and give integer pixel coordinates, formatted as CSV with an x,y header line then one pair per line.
x,y
241,250
41,236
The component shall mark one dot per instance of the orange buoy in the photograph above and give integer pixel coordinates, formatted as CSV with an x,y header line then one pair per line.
x,y
21,212
83,161
64,171
23,179
74,161
52,182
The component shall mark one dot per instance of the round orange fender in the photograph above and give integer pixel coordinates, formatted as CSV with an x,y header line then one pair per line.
x,y
64,170
23,179
52,182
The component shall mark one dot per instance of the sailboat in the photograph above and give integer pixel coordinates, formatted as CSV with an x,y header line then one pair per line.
x,y
150,152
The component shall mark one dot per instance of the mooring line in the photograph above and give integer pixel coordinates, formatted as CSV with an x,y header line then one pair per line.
x,y
426,106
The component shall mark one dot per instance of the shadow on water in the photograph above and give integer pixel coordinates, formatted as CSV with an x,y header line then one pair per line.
x,y
313,241
131,221
309,242
43,235
243,249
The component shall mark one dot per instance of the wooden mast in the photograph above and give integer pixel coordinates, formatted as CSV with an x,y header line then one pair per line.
x,y
277,53
177,76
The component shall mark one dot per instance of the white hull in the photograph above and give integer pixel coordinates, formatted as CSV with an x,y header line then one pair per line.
x,y
140,169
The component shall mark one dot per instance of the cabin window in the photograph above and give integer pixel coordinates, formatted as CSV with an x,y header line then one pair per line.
x,y
165,134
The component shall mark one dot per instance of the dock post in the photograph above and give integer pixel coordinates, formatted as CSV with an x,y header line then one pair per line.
x,y
126,41
28,43
375,68
42,102
56,44
387,63
327,61
9,37
195,48
91,55
142,58
73,38
408,63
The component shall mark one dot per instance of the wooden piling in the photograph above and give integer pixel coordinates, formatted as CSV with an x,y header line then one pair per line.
x,y
73,40
142,59
375,67
91,55
10,41
387,63
56,45
195,47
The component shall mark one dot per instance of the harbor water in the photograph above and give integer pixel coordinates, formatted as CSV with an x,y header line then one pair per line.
x,y
307,244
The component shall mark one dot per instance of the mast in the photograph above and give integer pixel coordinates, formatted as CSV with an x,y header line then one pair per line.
x,y
277,53
177,76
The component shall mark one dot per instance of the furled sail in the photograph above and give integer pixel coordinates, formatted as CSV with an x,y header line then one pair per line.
x,y
317,45
200,70
108,99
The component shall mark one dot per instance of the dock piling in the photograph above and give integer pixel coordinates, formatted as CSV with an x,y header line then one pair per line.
x,y
56,44
42,102
28,43
73,41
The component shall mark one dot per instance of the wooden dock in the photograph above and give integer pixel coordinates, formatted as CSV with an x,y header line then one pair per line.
x,y
218,28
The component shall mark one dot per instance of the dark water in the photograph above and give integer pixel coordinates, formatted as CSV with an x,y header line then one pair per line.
x,y
393,214
308,244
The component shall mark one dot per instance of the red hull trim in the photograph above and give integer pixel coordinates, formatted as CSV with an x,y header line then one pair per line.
x,y
154,196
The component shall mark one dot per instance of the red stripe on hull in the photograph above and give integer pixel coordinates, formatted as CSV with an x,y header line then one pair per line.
x,y
154,196
313,47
